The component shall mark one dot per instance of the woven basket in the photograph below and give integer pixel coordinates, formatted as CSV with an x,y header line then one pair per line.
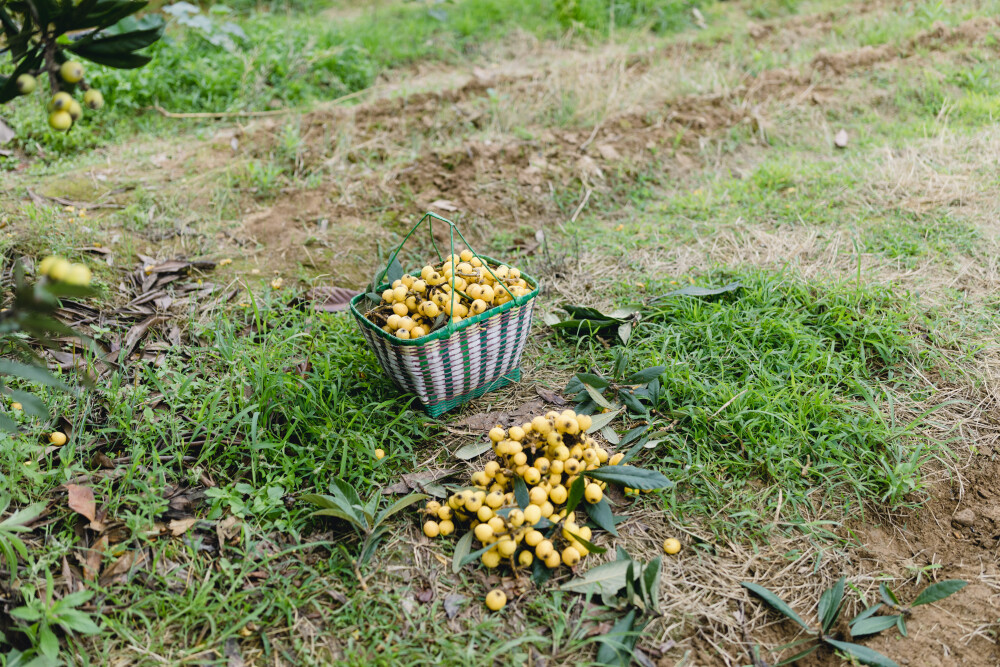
x,y
458,362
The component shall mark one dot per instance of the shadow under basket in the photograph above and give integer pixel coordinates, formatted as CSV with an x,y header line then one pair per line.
x,y
459,362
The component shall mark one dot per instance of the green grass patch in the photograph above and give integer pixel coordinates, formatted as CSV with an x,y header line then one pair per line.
x,y
908,236
780,390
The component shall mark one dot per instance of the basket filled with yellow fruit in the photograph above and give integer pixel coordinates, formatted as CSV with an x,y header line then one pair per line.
x,y
451,330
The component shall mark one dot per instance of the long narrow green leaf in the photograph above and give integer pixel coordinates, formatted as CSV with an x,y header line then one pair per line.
x,y
31,373
601,420
595,381
596,396
798,656
873,625
870,611
938,591
651,583
601,515
862,653
632,477
521,493
31,404
399,505
462,549
829,604
576,490
591,547
776,603
645,375
18,520
474,555
888,597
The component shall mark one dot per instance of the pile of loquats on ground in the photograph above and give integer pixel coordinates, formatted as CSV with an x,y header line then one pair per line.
x,y
521,506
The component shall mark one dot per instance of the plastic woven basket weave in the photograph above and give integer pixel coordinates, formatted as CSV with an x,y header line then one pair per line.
x,y
461,361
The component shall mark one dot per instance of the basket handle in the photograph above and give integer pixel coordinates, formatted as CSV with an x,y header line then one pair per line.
x,y
431,217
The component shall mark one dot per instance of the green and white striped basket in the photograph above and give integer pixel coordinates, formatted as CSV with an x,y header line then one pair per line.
x,y
458,362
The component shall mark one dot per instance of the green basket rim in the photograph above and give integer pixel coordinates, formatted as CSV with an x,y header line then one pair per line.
x,y
447,331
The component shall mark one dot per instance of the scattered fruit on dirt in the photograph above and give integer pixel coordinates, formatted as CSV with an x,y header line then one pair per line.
x,y
16,406
26,84
379,454
496,599
414,306
60,120
94,99
57,438
71,71
671,545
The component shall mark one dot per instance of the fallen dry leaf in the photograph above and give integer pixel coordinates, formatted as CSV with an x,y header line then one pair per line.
x,y
180,526
234,658
550,396
92,561
453,604
444,205
227,529
81,500
122,567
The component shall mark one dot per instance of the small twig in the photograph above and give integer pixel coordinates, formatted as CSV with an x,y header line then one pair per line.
x,y
361,579
728,403
593,134
579,208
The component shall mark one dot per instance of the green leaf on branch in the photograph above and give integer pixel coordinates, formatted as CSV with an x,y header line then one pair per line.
x,y
599,421
632,477
576,490
596,396
697,290
645,375
31,373
521,492
462,549
591,547
888,596
600,514
606,579
117,44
